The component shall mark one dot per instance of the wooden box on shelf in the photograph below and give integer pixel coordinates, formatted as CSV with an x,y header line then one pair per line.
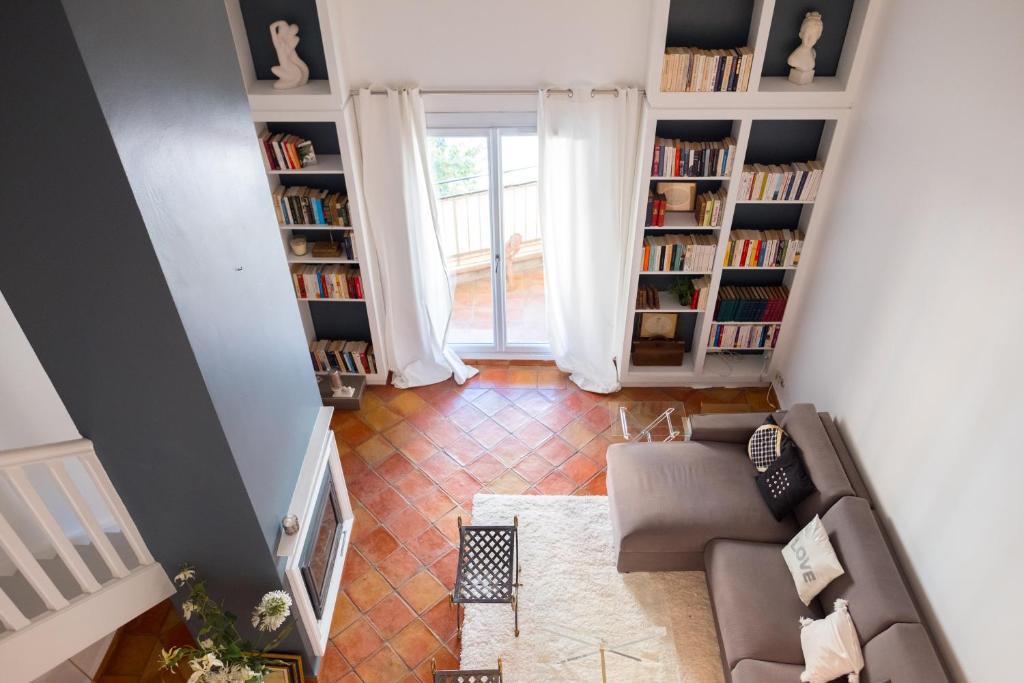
x,y
657,352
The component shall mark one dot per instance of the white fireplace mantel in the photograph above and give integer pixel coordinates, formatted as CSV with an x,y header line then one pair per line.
x,y
322,453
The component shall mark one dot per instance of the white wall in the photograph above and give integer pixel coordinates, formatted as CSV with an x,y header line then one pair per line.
x,y
493,43
31,413
913,331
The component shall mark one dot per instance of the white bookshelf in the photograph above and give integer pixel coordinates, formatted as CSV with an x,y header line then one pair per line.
x,y
317,103
703,364
326,164
827,90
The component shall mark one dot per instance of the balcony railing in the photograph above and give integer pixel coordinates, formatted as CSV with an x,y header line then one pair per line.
x,y
465,221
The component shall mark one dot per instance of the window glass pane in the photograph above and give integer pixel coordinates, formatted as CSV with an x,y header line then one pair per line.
x,y
525,321
462,185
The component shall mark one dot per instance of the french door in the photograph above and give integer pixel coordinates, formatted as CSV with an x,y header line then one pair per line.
x,y
485,181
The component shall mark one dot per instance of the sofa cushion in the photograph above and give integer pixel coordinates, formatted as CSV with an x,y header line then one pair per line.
x,y
727,427
756,671
872,583
820,459
675,497
756,607
903,652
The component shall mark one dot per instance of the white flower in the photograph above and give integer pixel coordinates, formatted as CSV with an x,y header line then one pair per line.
x,y
187,573
206,644
187,608
167,657
272,611
202,668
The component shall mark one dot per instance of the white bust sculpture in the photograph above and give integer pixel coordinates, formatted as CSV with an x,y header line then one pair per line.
x,y
291,71
801,60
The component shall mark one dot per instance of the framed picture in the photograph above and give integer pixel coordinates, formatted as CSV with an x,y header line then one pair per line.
x,y
283,668
658,325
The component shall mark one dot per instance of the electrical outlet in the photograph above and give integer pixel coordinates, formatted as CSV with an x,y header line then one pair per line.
x,y
779,380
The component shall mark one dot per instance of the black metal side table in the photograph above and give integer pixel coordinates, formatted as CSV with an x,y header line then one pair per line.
x,y
488,569
466,676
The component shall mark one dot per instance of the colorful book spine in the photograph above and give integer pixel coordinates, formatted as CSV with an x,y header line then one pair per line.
x,y
690,69
781,182
678,253
351,357
763,249
284,152
327,282
744,337
300,205
682,159
751,304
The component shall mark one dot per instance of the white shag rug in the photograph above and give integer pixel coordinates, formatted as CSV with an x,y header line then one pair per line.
x,y
571,592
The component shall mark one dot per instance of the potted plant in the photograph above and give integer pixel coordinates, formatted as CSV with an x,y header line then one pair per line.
x,y
222,656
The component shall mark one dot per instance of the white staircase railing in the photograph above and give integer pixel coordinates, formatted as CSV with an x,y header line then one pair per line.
x,y
76,567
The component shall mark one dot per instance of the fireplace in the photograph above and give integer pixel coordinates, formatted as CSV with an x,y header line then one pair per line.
x,y
320,553
316,530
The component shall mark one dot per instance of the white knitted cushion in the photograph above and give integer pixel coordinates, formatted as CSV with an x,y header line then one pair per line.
x,y
831,647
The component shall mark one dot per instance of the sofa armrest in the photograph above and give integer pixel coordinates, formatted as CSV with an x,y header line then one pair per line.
x,y
726,427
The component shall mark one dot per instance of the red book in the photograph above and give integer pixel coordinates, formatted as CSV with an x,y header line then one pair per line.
x,y
359,286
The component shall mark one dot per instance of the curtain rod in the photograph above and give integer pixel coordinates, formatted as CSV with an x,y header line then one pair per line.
x,y
549,91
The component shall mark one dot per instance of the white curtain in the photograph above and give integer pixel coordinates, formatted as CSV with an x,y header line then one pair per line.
x,y
587,195
403,233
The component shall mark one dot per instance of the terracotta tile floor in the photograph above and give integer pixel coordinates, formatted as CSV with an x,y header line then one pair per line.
x,y
413,461
473,315
134,654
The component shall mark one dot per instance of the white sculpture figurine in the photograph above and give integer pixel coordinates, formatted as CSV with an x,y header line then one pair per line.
x,y
291,71
801,60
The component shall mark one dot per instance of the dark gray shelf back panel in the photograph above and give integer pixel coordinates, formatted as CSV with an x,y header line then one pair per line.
x,y
323,134
753,278
782,142
340,321
767,216
709,24
258,15
784,35
695,130
335,182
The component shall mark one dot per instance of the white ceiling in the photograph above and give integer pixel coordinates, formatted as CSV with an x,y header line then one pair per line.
x,y
493,44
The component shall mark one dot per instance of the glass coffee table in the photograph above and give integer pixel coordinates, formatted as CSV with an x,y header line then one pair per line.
x,y
649,421
588,656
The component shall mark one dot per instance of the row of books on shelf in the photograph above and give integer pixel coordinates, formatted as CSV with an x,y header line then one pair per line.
x,y
682,252
751,304
302,205
731,336
691,69
681,159
709,209
327,282
355,357
282,151
763,248
780,182
690,293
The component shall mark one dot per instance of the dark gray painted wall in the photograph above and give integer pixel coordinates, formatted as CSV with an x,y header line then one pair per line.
x,y
125,226
181,123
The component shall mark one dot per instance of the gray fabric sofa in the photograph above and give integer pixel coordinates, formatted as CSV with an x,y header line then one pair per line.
x,y
694,506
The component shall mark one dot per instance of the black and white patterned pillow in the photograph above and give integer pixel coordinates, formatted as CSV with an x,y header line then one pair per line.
x,y
785,483
765,445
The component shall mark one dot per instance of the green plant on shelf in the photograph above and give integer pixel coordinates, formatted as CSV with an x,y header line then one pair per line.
x,y
683,289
